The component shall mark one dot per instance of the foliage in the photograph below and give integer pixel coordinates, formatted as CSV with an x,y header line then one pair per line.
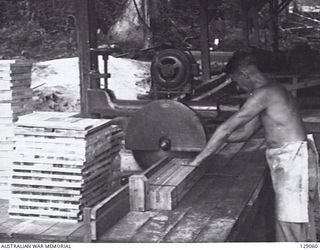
x,y
46,28
36,28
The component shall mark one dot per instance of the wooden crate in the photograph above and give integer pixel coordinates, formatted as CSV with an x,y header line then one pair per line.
x,y
62,164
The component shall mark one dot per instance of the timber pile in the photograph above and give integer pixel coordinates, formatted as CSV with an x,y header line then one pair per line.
x,y
62,164
15,100
163,185
171,183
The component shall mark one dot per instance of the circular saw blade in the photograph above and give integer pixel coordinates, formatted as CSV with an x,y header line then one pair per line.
x,y
164,128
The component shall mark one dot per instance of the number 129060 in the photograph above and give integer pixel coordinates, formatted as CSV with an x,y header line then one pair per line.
x,y
309,245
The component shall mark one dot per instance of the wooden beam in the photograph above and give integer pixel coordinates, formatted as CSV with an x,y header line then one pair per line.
x,y
170,184
139,187
108,212
204,40
274,23
147,8
86,38
256,28
245,23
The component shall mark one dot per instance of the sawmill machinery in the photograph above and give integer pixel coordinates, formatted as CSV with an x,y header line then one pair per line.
x,y
172,121
172,73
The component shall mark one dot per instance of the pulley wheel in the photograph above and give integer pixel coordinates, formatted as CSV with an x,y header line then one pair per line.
x,y
171,69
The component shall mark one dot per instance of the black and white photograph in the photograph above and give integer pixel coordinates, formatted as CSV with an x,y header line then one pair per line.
x,y
159,121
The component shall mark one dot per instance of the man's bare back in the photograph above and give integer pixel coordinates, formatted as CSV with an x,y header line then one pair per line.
x,y
281,119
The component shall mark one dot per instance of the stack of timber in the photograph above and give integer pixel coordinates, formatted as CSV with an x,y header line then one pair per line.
x,y
171,183
63,164
165,187
15,100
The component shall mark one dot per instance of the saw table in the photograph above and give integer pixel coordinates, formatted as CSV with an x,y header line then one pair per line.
x,y
222,206
225,205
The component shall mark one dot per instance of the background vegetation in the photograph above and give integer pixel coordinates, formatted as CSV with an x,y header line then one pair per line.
x,y
45,29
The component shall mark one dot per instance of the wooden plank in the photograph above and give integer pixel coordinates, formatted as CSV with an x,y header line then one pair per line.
x,y
31,228
47,167
127,227
163,173
42,196
6,227
59,232
138,188
21,76
199,215
155,168
158,226
230,208
139,185
68,135
78,235
163,197
45,204
217,230
105,214
38,174
38,212
63,122
169,188
47,183
41,189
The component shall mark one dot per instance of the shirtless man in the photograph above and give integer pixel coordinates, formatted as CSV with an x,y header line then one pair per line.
x,y
271,106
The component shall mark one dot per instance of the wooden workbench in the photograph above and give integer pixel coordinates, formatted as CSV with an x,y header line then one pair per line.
x,y
223,206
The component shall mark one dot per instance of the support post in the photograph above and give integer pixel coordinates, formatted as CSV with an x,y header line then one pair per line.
x,y
147,8
204,40
86,38
245,23
256,28
274,23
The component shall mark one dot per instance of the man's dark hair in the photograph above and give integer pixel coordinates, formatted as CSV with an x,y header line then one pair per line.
x,y
239,59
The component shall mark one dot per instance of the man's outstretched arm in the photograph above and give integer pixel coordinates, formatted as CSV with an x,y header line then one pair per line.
x,y
250,110
246,131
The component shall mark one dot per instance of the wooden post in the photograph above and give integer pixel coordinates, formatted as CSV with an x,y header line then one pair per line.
x,y
87,223
93,43
204,40
256,28
295,85
274,23
86,38
245,23
147,17
138,191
